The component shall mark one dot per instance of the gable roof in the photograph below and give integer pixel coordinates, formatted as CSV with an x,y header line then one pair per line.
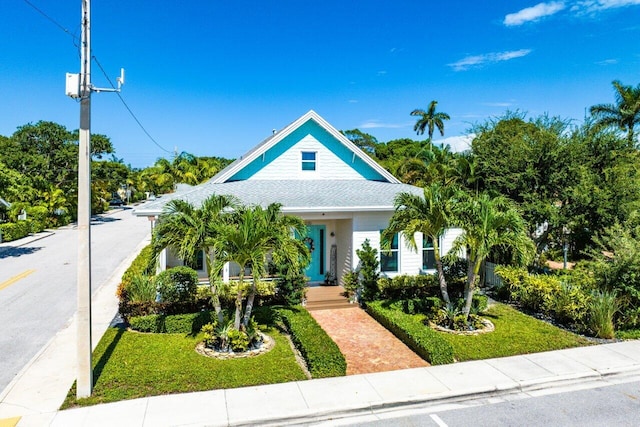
x,y
244,161
295,196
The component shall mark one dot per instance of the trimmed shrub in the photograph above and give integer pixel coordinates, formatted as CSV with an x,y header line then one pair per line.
x,y
15,230
426,306
369,274
322,355
172,324
408,287
426,342
177,284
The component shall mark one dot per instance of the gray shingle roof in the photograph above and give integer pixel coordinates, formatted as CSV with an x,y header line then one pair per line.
x,y
295,195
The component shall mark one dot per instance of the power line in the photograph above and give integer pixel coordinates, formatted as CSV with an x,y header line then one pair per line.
x,y
53,21
76,43
127,107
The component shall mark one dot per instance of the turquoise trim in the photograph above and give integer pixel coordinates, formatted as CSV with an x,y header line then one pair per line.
x,y
310,127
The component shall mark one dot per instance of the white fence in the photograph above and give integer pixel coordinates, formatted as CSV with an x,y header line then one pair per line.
x,y
491,280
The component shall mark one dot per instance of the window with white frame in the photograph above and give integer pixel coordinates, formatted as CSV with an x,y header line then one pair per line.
x,y
389,259
428,254
309,160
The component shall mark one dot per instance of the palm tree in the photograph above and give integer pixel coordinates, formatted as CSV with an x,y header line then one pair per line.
x,y
488,223
249,238
624,114
189,230
428,215
429,120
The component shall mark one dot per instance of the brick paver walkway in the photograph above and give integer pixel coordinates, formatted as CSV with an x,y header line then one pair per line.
x,y
367,346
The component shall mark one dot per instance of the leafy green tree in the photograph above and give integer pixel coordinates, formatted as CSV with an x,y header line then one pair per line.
x,y
488,223
429,215
362,140
624,114
429,120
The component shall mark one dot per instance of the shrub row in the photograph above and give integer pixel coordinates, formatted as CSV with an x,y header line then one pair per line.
x,y
172,324
568,303
410,330
128,309
322,355
15,230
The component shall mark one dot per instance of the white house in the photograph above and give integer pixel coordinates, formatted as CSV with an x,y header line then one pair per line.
x,y
316,173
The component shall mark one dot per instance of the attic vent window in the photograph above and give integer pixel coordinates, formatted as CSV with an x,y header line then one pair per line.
x,y
309,160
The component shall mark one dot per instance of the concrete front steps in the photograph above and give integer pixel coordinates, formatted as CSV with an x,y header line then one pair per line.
x,y
326,298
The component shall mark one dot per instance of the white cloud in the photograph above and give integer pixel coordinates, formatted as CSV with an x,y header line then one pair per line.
x,y
374,124
353,101
590,6
607,62
498,104
533,13
457,143
382,72
479,60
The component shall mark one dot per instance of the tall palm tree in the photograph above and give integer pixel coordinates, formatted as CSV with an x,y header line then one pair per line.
x,y
248,239
429,120
428,215
624,114
189,230
488,223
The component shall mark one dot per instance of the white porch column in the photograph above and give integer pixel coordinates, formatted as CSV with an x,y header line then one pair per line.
x,y
162,261
225,273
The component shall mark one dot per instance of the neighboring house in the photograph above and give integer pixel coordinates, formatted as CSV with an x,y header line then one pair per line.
x,y
316,173
4,208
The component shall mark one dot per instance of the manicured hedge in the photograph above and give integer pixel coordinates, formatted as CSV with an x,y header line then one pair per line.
x,y
172,324
410,330
322,355
15,230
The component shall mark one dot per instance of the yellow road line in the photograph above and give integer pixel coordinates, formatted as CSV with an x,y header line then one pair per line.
x,y
9,422
14,279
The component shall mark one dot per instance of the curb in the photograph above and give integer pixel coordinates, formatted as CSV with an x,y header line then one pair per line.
x,y
625,373
26,240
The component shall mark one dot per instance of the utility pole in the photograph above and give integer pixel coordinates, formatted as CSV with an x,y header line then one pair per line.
x,y
84,385
78,86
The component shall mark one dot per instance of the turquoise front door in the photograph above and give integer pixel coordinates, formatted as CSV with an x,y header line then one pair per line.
x,y
315,241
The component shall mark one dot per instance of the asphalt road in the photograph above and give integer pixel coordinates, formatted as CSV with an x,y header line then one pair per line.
x,y
38,283
612,405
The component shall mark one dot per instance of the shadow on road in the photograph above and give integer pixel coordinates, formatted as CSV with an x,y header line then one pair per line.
x,y
12,251
98,220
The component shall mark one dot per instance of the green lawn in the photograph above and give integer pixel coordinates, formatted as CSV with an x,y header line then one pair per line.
x,y
129,365
515,333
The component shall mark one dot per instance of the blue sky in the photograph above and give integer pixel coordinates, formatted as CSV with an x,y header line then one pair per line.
x,y
214,77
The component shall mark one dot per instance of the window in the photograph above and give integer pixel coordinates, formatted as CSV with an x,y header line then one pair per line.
x,y
199,262
308,160
389,259
428,254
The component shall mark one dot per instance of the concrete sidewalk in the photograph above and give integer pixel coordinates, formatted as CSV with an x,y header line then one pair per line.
x,y
5,246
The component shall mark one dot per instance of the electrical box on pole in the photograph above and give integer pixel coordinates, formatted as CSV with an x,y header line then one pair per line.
x,y
72,88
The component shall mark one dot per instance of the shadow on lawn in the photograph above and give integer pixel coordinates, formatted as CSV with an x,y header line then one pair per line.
x,y
97,370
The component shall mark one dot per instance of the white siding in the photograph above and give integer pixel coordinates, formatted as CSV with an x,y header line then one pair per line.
x,y
344,230
368,226
447,240
289,164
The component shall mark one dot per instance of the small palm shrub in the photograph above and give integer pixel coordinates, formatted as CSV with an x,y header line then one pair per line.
x,y
602,309
223,337
142,289
177,284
